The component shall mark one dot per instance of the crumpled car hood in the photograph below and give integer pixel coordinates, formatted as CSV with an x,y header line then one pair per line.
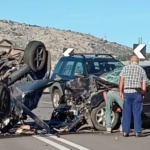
x,y
113,76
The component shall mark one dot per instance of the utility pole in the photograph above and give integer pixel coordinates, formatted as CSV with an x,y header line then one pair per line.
x,y
140,40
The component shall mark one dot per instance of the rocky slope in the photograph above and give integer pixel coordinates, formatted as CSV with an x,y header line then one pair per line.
x,y
55,39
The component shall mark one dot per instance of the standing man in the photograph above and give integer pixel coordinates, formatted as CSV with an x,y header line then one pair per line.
x,y
131,86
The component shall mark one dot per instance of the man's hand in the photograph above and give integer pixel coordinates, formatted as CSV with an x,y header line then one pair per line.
x,y
121,87
121,95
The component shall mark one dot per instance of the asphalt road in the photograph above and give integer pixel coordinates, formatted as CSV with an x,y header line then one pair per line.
x,y
84,141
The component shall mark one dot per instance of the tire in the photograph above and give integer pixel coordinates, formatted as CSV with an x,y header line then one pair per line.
x,y
56,97
35,55
100,124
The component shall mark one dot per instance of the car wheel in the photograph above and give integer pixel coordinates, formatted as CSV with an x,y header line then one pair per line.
x,y
98,117
35,55
56,97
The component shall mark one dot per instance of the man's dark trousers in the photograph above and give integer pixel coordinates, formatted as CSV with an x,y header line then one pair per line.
x,y
133,104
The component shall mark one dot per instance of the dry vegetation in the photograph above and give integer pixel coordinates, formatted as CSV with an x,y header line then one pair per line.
x,y
55,39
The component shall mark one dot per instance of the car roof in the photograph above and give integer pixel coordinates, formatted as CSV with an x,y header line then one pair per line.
x,y
88,57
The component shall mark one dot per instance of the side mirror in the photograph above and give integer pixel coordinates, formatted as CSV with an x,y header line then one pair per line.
x,y
79,75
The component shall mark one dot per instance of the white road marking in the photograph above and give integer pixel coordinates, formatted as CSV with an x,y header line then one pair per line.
x,y
46,102
68,142
58,146
48,141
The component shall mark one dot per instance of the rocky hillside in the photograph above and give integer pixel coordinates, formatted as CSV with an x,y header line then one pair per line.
x,y
55,39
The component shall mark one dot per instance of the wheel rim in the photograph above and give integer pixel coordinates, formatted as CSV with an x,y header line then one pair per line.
x,y
100,117
39,57
56,99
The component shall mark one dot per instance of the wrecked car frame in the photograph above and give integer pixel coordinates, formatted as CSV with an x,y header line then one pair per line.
x,y
82,107
23,83
23,77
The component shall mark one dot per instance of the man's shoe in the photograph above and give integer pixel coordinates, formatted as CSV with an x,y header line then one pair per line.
x,y
125,134
139,135
120,129
108,130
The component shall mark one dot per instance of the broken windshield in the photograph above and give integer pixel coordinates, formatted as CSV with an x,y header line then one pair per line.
x,y
113,76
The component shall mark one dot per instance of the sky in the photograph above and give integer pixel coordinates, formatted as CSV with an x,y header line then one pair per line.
x,y
121,21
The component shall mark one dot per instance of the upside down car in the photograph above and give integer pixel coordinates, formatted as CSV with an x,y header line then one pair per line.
x,y
23,76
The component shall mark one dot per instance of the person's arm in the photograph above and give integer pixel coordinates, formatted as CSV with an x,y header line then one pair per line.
x,y
144,81
121,87
144,86
121,83
104,94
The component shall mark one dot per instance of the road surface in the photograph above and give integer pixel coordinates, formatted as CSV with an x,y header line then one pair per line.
x,y
84,141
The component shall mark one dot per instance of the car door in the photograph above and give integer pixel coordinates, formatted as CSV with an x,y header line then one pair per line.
x,y
146,101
